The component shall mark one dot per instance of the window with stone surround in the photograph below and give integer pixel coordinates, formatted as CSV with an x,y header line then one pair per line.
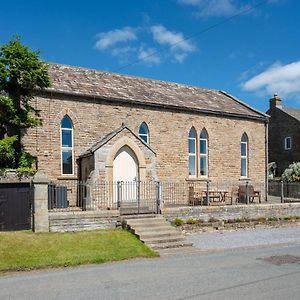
x,y
203,146
288,143
66,132
144,132
244,155
192,152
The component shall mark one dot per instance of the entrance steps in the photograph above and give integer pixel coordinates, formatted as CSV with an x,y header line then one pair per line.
x,y
155,231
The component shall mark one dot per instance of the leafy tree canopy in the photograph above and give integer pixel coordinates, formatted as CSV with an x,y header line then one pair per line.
x,y
22,75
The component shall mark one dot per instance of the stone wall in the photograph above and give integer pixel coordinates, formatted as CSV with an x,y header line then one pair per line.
x,y
233,212
283,125
82,220
168,137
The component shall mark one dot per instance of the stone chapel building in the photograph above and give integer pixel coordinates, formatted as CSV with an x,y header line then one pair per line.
x,y
111,127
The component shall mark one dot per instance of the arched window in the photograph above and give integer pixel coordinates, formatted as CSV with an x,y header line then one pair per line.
x,y
203,153
244,155
144,132
66,129
192,152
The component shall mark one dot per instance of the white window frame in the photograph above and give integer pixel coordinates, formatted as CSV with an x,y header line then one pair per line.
x,y
205,155
285,143
144,134
62,148
245,157
192,154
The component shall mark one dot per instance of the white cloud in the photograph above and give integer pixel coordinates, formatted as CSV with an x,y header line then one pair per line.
x,y
124,45
281,79
222,8
149,56
215,8
112,37
175,40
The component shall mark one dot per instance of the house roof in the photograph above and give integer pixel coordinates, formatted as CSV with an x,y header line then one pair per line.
x,y
108,137
293,112
123,88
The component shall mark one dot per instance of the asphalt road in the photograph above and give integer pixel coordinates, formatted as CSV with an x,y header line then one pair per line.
x,y
224,274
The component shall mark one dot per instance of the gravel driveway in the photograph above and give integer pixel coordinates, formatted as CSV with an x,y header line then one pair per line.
x,y
245,238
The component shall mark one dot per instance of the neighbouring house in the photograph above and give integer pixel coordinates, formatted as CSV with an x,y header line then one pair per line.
x,y
103,128
284,135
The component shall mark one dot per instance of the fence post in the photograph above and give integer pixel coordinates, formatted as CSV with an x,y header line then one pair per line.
x,y
282,193
119,193
157,197
207,192
247,192
40,203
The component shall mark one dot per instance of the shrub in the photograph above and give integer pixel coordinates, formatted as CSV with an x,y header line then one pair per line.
x,y
7,152
26,160
292,173
177,222
191,221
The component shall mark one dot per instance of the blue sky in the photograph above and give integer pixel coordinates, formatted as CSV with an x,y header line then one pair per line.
x,y
252,56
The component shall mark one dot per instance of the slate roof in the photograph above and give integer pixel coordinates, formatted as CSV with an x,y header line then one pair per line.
x,y
294,112
123,88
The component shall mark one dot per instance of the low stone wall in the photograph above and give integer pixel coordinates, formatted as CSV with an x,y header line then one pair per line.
x,y
82,220
233,211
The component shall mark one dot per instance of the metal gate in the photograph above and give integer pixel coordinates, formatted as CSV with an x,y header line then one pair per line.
x,y
137,197
15,206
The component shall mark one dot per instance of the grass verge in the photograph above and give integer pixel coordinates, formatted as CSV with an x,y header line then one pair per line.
x,y
25,250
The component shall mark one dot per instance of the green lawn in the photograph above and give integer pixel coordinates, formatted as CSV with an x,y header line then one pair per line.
x,y
25,250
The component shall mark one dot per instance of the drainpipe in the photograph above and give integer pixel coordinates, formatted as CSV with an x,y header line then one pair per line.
x,y
266,158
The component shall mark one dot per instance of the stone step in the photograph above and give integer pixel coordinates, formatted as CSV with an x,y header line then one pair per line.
x,y
169,245
139,216
151,234
166,239
147,222
156,232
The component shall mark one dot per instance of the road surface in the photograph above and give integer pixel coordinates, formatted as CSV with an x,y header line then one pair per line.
x,y
224,274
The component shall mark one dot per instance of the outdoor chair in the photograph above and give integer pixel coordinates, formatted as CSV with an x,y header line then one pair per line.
x,y
252,194
234,196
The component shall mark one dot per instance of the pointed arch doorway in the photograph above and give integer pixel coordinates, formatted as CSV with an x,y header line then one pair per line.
x,y
126,175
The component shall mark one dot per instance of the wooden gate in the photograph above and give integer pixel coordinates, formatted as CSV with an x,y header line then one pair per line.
x,y
15,206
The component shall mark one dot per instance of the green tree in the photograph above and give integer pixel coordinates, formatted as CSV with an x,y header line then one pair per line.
x,y
22,75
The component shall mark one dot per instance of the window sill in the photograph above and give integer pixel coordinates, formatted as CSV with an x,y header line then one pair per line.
x,y
244,179
67,177
197,179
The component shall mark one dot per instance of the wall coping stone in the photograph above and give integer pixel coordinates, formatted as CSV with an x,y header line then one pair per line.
x,y
61,215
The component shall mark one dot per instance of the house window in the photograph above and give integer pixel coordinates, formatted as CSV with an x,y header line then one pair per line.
x,y
244,155
66,129
144,132
203,153
288,143
192,152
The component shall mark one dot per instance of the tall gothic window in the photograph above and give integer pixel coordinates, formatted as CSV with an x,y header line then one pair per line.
x,y
144,132
244,155
203,153
66,129
192,152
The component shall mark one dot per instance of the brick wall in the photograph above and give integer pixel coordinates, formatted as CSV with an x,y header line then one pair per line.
x,y
168,137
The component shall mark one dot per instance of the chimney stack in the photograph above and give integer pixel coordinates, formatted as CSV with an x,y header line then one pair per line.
x,y
275,102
